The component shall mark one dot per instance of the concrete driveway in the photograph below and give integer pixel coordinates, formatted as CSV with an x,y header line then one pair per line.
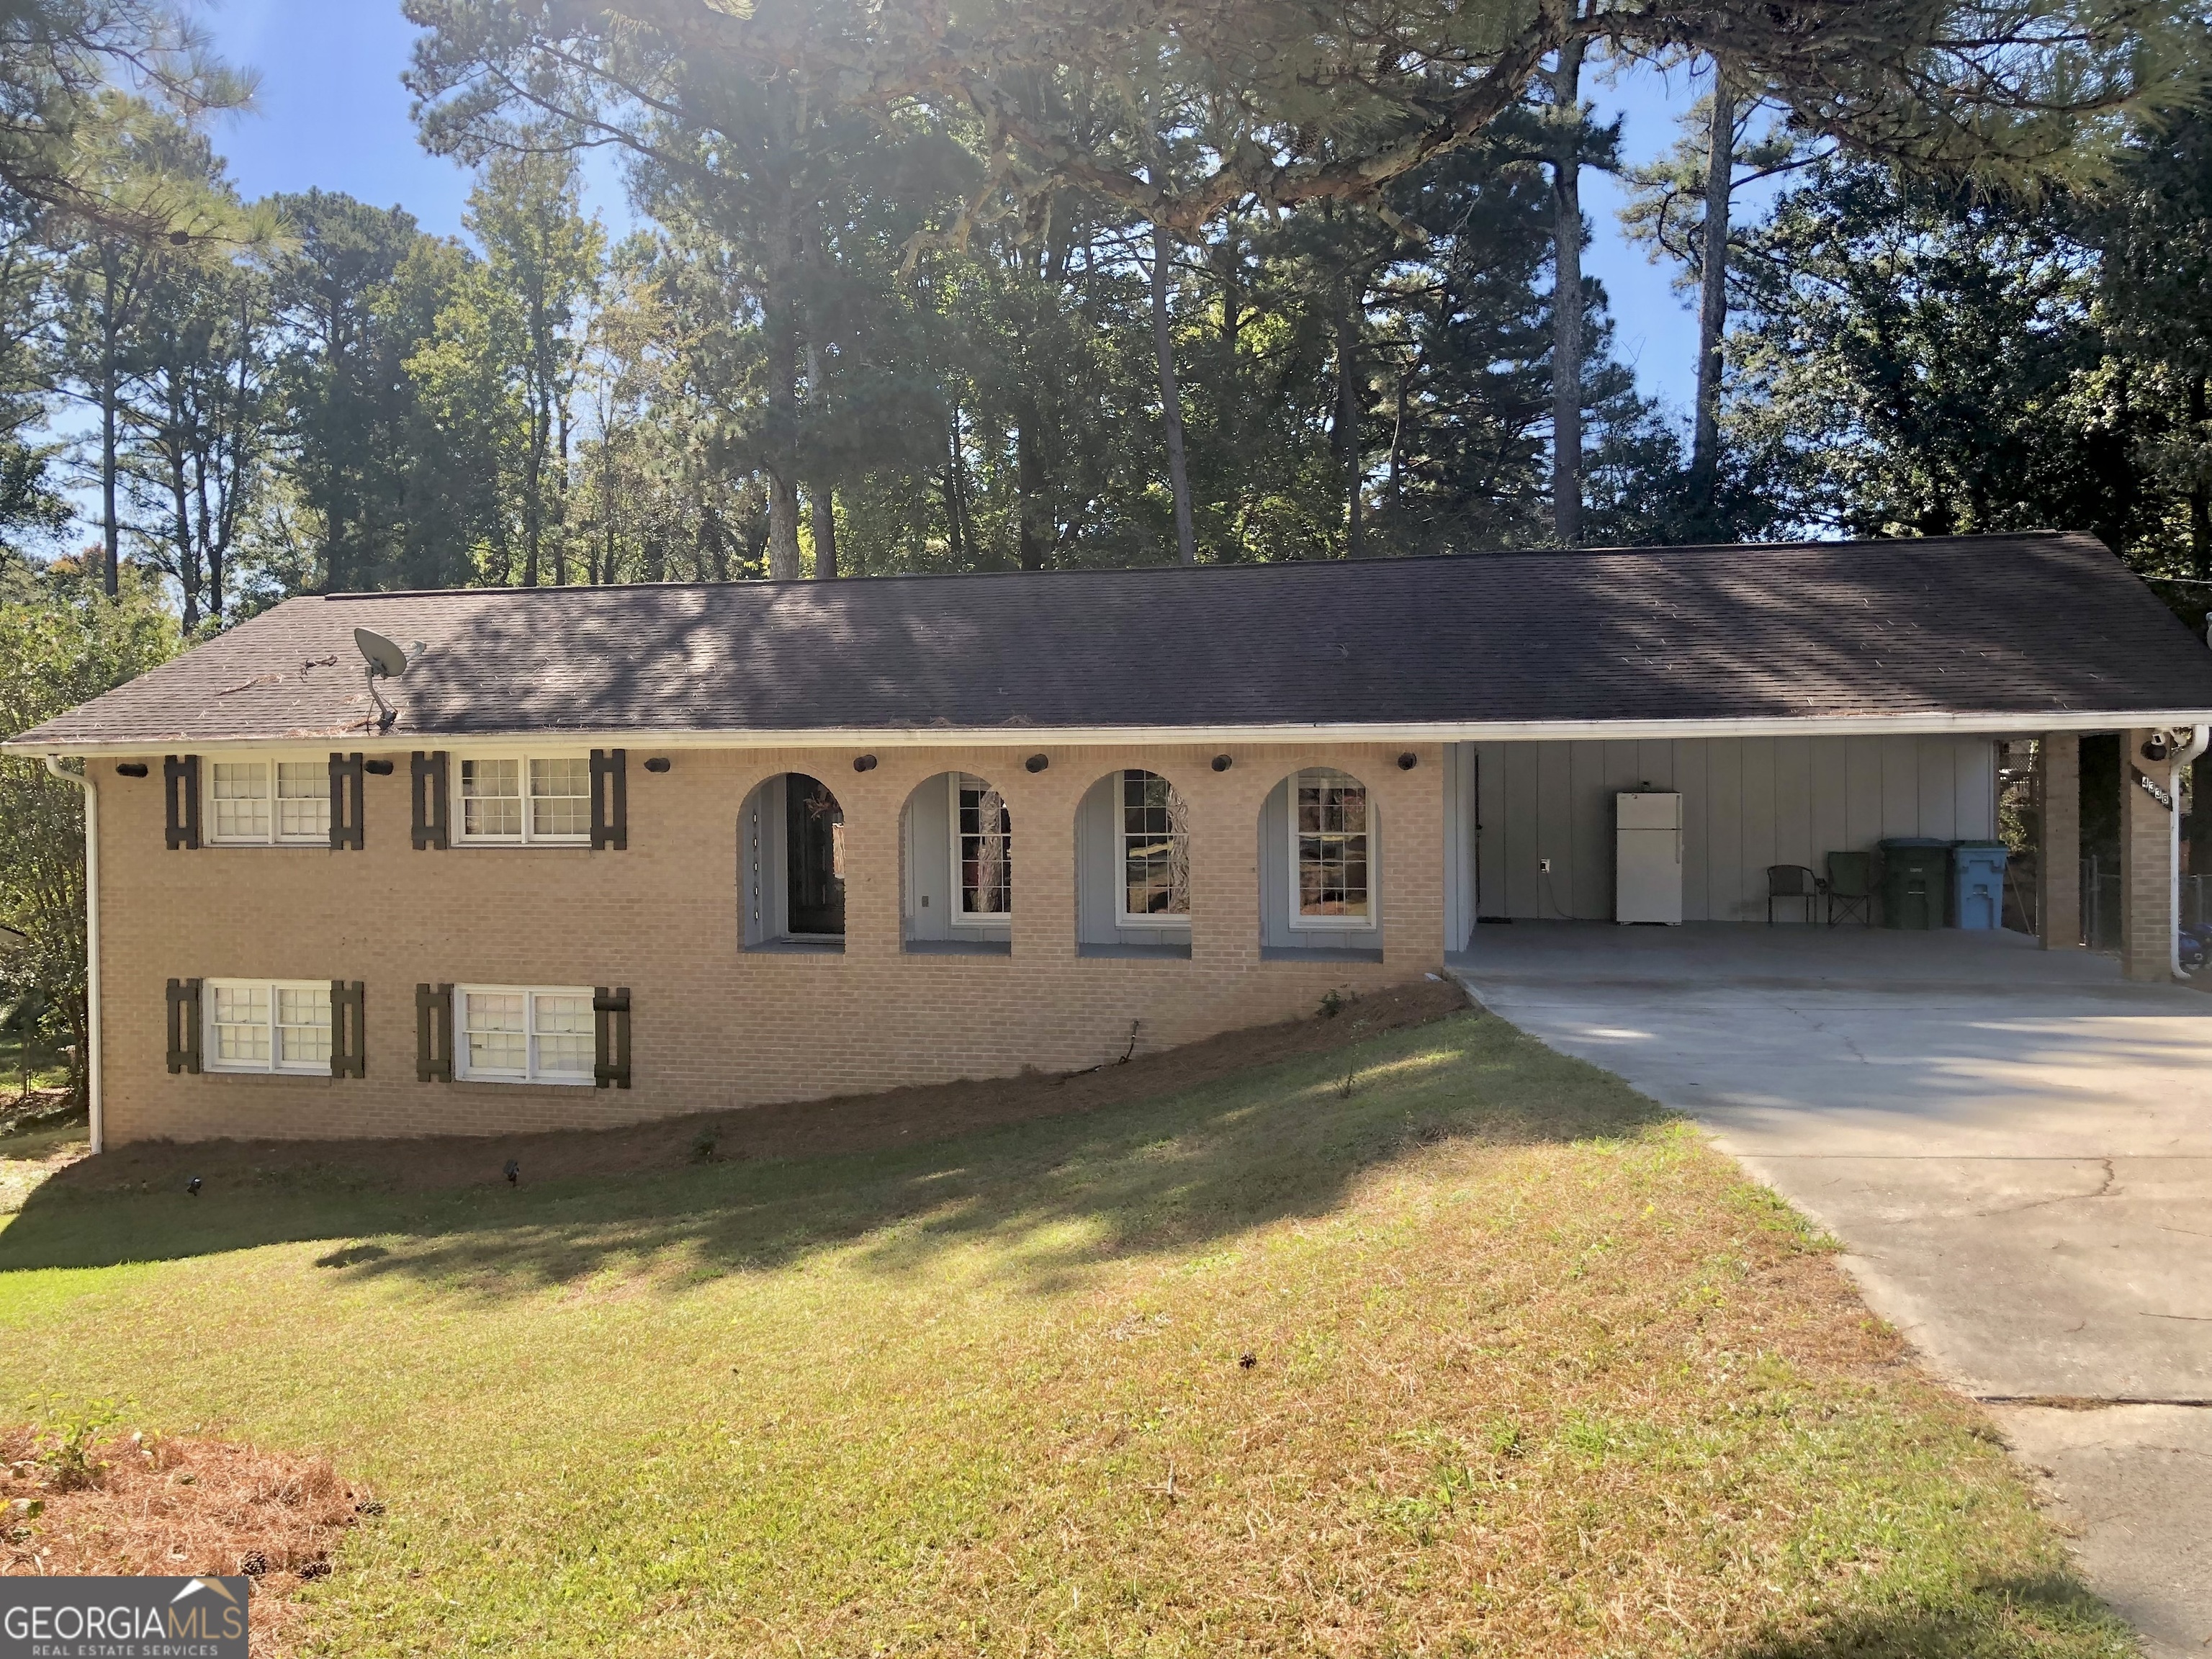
x,y
2016,1147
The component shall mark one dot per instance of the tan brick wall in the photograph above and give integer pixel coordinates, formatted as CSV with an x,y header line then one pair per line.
x,y
2059,845
2146,853
713,1026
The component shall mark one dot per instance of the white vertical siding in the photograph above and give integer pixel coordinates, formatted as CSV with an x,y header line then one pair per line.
x,y
1747,803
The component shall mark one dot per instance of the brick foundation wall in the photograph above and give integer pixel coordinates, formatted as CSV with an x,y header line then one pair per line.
x,y
715,1027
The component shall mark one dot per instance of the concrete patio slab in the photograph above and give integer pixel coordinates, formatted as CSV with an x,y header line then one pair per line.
x,y
2014,1146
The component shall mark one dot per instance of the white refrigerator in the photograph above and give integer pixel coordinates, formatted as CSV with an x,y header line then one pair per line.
x,y
1648,860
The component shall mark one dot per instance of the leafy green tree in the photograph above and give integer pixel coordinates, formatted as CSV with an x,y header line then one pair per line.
x,y
1926,359
372,478
2151,226
62,64
1303,106
1680,207
196,419
63,642
145,167
547,259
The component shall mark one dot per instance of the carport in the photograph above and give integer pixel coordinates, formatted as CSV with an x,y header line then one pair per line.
x,y
1789,703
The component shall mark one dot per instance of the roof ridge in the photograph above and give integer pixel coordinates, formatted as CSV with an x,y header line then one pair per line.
x,y
817,585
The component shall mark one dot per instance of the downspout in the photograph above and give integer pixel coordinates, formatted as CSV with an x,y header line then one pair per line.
x,y
2200,736
83,780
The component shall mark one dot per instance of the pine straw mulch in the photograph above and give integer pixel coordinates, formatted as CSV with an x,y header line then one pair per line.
x,y
812,1128
173,1508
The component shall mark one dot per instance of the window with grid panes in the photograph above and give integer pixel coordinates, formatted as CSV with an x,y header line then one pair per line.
x,y
260,803
524,799
1332,852
982,851
521,1034
261,1025
1155,850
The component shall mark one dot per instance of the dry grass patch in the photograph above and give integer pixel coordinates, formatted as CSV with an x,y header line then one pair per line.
x,y
1442,1344
74,1505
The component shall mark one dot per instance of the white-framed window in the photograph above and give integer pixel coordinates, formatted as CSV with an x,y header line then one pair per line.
x,y
524,1034
982,854
1333,852
523,801
266,1025
1155,852
279,801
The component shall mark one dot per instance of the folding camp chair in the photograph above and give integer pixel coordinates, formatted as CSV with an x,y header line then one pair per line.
x,y
1851,887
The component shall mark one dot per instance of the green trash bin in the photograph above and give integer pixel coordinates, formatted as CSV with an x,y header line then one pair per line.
x,y
1915,882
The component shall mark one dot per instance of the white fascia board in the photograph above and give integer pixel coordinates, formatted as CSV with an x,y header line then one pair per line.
x,y
2010,724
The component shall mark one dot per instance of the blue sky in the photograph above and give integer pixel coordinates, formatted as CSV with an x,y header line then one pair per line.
x,y
333,115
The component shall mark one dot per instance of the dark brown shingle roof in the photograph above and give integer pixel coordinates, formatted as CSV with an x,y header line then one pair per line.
x,y
2012,627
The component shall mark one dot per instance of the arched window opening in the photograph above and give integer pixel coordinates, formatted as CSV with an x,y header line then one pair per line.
x,y
959,888
1321,869
791,859
1133,867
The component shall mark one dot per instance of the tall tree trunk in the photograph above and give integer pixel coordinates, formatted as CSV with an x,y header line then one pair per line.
x,y
561,488
1712,293
110,326
533,500
1345,422
821,499
966,556
783,478
180,503
1171,395
822,505
782,527
1033,528
1567,298
1398,443
2200,503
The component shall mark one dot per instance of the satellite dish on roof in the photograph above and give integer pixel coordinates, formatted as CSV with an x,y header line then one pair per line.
x,y
386,661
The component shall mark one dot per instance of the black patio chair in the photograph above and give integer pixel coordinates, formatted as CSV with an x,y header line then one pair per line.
x,y
1792,881
1851,887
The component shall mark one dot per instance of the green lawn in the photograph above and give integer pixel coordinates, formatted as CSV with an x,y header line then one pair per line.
x,y
1532,1373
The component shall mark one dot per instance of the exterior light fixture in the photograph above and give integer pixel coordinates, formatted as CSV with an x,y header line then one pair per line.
x,y
864,764
1038,763
1408,761
1222,762
131,770
658,763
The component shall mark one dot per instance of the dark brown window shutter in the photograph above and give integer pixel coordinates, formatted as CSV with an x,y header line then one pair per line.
x,y
610,1036
434,1033
433,803
345,802
348,1029
184,1025
610,800
180,782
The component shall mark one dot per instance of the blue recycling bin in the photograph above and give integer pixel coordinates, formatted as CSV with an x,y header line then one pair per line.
x,y
1977,872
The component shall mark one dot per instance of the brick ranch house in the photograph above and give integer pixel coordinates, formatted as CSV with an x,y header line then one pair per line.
x,y
630,852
